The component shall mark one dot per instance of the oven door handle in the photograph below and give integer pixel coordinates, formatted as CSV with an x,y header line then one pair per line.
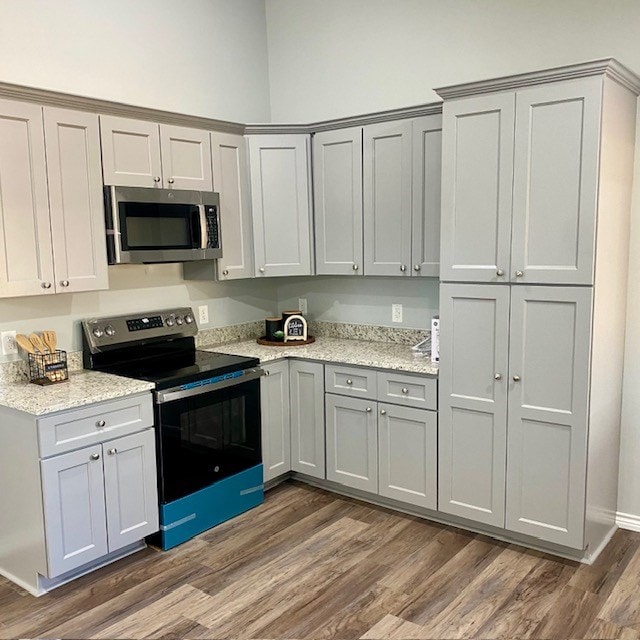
x,y
178,393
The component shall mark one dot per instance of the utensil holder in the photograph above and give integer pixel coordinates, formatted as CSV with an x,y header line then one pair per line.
x,y
48,368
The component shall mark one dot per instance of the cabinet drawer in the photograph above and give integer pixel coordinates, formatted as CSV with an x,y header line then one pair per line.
x,y
98,422
408,390
350,381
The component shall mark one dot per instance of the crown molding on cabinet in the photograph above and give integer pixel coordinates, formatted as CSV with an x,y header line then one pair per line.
x,y
606,66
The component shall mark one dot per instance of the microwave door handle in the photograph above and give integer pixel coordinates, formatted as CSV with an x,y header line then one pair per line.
x,y
204,234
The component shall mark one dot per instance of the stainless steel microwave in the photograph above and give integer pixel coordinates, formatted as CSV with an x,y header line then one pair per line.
x,y
161,225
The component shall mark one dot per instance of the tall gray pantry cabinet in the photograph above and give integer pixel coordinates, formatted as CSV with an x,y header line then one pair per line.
x,y
536,191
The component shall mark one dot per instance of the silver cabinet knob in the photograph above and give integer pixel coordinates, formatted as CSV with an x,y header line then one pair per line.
x,y
519,274
112,452
498,376
349,381
101,423
46,285
355,267
170,180
64,283
368,409
261,269
500,272
405,390
516,378
416,267
383,412
403,267
156,179
94,456
225,272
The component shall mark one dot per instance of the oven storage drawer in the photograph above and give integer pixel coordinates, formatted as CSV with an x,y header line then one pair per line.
x,y
96,423
350,381
408,390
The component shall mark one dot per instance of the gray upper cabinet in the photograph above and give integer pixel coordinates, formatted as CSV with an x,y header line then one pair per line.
x,y
477,173
408,455
337,190
307,417
549,385
555,188
387,198
26,258
231,181
280,196
137,153
76,200
427,177
474,342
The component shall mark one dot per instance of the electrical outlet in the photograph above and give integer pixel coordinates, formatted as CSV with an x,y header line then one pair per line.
x,y
203,314
396,313
302,305
9,345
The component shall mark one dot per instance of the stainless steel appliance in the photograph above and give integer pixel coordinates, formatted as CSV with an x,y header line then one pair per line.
x,y
161,225
207,416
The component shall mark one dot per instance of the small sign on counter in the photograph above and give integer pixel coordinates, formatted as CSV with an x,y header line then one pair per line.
x,y
295,328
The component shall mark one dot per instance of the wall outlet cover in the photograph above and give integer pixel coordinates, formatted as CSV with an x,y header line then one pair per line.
x,y
9,344
396,313
203,314
302,305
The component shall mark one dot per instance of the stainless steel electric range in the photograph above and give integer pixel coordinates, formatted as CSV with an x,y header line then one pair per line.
x,y
207,416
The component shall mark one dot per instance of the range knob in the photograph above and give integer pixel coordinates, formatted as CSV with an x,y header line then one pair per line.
x,y
170,321
109,330
98,332
188,318
179,320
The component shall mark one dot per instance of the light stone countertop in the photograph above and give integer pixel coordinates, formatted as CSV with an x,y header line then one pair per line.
x,y
82,388
378,355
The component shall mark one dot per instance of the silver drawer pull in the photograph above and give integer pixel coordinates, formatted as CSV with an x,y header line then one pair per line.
x,y
405,390
368,409
349,381
516,378
112,452
499,272
383,412
94,456
519,274
101,423
498,376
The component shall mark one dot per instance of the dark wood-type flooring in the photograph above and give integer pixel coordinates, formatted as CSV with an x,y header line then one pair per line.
x,y
310,564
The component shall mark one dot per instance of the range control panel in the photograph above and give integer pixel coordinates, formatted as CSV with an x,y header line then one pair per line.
x,y
116,330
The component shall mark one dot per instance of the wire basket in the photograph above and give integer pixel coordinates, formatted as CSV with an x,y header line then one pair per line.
x,y
48,368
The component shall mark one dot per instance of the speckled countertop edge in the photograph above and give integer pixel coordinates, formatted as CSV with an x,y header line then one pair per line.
x,y
83,388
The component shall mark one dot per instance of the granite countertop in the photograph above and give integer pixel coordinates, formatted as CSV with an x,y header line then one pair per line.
x,y
378,355
82,388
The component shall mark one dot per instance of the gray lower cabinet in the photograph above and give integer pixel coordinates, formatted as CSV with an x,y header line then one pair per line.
x,y
98,499
307,417
407,449
276,425
352,442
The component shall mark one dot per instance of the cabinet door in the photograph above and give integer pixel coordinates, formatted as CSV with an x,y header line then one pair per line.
x,y
130,488
231,180
76,200
352,442
547,444
427,179
186,158
555,183
26,261
408,454
477,173
387,199
337,192
280,199
276,429
474,341
130,152
307,418
74,509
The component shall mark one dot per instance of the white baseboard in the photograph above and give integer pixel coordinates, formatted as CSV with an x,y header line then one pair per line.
x,y
628,521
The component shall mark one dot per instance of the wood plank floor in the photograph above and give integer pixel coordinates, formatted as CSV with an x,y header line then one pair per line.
x,y
310,564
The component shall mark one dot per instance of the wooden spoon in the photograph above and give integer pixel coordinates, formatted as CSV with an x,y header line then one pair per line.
x,y
51,340
37,343
25,343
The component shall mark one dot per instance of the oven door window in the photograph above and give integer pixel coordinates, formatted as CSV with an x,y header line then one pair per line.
x,y
208,437
145,226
